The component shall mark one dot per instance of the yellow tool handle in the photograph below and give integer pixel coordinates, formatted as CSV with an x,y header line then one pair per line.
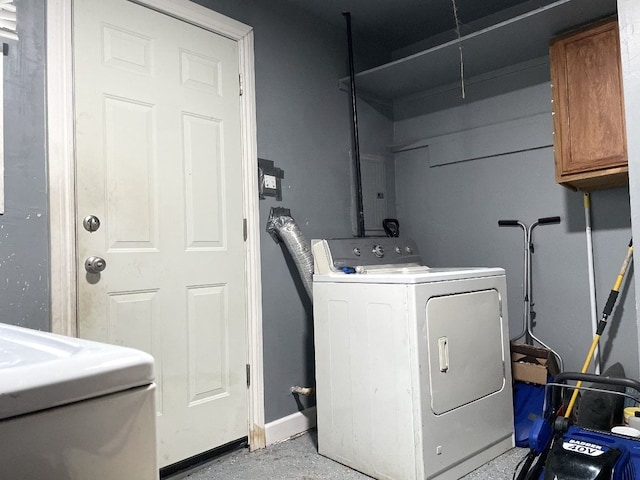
x,y
585,367
623,269
608,308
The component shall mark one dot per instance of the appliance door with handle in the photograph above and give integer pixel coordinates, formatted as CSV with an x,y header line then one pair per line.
x,y
464,334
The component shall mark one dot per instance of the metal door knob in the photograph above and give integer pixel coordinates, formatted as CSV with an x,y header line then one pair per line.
x,y
95,264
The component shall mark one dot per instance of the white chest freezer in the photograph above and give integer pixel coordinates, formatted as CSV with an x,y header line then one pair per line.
x,y
74,409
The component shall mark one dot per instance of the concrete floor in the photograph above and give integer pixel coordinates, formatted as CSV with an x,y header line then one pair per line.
x,y
298,459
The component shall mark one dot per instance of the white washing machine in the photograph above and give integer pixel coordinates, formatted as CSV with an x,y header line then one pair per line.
x,y
413,377
74,409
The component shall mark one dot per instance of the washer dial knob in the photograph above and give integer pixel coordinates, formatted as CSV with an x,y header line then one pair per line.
x,y
378,251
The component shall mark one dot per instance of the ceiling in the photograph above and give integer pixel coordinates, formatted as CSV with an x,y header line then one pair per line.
x,y
394,24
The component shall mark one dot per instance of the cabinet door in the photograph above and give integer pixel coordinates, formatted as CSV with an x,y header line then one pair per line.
x,y
590,143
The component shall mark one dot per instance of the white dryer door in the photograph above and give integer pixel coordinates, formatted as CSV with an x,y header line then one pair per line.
x,y
466,361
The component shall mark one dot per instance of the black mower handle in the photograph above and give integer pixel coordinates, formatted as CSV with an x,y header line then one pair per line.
x,y
590,377
560,382
548,220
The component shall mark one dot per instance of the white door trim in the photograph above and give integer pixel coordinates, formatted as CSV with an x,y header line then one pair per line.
x,y
62,188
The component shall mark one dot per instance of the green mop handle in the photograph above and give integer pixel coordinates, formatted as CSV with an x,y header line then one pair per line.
x,y
608,308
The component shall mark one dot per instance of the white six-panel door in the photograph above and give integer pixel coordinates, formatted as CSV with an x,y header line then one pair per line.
x,y
158,155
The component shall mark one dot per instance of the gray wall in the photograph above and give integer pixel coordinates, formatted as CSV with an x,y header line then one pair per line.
x,y
304,127
629,22
453,210
24,229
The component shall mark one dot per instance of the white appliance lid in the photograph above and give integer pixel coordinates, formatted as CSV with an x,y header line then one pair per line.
x,y
409,275
40,370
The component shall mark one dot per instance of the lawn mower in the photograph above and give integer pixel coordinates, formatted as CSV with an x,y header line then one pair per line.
x,y
560,450
571,452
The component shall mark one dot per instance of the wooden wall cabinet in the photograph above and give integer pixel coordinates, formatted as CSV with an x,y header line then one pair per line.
x,y
588,108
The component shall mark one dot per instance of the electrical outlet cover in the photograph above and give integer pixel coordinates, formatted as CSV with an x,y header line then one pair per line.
x,y
270,181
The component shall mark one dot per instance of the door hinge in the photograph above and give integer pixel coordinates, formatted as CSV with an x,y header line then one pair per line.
x,y
248,375
244,229
240,81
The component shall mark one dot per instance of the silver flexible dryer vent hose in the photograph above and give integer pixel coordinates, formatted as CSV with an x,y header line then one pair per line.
x,y
283,227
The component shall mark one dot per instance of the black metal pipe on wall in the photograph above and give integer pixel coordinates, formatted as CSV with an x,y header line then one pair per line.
x,y
354,131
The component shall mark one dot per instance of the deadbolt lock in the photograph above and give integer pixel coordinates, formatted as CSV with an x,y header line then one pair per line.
x,y
91,223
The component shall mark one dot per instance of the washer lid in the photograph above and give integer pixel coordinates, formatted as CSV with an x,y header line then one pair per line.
x,y
40,370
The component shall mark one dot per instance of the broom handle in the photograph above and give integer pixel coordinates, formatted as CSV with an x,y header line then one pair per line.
x,y
608,308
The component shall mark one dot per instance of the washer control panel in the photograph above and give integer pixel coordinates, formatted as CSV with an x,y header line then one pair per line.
x,y
339,253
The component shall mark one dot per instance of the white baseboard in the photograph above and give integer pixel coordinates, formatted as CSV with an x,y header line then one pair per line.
x,y
286,427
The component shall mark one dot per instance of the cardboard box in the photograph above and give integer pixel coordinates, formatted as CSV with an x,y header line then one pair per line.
x,y
532,364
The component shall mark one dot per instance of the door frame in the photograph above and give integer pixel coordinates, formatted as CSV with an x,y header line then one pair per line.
x,y
62,186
